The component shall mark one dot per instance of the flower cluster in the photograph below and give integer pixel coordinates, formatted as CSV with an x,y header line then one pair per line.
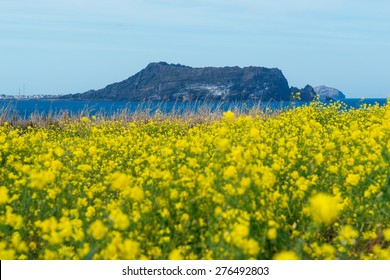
x,y
310,182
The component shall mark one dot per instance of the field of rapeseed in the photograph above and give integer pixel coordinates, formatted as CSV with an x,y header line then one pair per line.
x,y
308,183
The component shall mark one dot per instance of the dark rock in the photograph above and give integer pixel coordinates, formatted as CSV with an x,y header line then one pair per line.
x,y
306,94
163,81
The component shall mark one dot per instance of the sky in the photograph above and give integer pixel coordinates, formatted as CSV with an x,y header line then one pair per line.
x,y
71,46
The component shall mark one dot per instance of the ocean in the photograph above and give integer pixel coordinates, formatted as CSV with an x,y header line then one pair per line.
x,y
25,108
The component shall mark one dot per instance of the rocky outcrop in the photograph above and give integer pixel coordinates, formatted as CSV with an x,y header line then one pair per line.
x,y
324,93
327,93
163,81
306,94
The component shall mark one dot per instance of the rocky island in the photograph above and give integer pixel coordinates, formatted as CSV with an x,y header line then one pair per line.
x,y
327,93
163,81
168,82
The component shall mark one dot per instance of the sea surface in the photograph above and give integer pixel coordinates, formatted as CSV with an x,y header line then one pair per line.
x,y
25,108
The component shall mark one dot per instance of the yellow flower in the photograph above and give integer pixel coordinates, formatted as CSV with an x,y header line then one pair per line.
x,y
84,119
348,235
5,253
228,116
325,251
382,254
223,144
254,132
217,211
120,220
59,152
272,233
324,209
240,231
252,247
90,212
328,251
185,217
40,179
319,158
13,220
333,169
65,228
4,198
268,178
352,179
50,255
137,194
165,213
286,255
98,230
175,254
369,235
245,182
386,234
230,172
130,249
84,167
173,194
155,252
18,243
120,181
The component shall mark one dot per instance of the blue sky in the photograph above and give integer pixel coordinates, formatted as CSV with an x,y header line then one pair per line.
x,y
69,46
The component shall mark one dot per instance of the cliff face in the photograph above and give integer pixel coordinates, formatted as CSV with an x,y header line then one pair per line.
x,y
163,81
306,94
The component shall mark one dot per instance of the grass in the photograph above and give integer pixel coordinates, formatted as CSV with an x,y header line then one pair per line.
x,y
144,112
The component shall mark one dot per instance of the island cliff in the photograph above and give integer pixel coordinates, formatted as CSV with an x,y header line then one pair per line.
x,y
163,81
170,82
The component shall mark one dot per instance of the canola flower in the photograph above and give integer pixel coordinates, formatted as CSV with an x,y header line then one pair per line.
x,y
307,183
324,209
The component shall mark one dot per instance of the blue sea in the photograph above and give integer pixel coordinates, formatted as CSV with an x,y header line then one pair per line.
x,y
25,108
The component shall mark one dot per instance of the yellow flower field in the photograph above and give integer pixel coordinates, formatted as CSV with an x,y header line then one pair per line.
x,y
311,182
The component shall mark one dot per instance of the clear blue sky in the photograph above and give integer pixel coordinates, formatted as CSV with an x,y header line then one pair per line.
x,y
69,46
